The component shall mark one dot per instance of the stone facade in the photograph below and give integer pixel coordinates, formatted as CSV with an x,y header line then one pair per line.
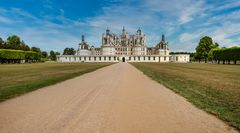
x,y
123,47
180,58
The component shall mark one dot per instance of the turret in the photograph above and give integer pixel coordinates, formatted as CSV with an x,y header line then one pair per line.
x,y
139,32
107,31
123,31
83,39
163,38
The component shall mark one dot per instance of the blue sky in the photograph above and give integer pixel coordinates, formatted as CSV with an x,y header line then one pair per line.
x,y
56,24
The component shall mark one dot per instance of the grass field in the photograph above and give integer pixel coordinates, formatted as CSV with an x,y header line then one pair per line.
x,y
22,78
213,88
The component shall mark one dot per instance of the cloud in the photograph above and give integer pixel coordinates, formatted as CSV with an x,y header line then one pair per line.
x,y
183,11
41,33
183,22
227,35
6,20
227,5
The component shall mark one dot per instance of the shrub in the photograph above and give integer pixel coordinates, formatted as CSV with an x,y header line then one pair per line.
x,y
15,56
226,54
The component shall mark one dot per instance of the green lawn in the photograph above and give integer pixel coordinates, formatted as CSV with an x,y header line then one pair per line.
x,y
213,88
17,79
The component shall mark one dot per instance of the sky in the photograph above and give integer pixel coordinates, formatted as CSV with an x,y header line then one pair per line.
x,y
57,24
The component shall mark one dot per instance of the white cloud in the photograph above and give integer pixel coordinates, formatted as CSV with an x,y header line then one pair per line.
x,y
41,33
225,35
183,11
227,5
183,22
5,20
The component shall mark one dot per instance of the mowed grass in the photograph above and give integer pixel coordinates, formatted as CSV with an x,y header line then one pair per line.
x,y
17,79
213,88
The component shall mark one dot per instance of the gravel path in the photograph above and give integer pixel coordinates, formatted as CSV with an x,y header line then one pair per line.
x,y
117,98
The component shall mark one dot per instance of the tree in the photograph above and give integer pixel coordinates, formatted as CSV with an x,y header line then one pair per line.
x,y
44,54
216,45
35,49
210,53
13,42
57,53
24,46
204,47
52,55
69,51
1,43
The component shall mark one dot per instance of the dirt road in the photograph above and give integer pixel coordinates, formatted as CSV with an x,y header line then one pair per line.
x,y
117,98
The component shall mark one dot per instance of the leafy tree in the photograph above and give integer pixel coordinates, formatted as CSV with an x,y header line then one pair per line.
x,y
69,51
24,46
35,49
210,54
1,40
13,42
44,54
1,43
53,55
204,47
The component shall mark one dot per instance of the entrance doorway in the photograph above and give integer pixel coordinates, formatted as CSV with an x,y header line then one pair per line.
x,y
123,59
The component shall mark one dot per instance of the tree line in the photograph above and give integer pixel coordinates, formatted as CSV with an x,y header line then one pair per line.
x,y
226,55
15,50
207,50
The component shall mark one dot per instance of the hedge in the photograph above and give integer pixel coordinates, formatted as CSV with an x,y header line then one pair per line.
x,y
226,54
15,56
30,55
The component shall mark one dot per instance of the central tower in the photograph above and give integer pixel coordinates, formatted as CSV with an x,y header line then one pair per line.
x,y
124,44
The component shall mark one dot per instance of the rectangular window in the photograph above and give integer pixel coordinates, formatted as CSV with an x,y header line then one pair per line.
x,y
129,58
138,57
149,57
134,58
80,58
100,58
109,58
164,57
114,58
84,58
104,57
144,58
94,58
154,58
89,58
